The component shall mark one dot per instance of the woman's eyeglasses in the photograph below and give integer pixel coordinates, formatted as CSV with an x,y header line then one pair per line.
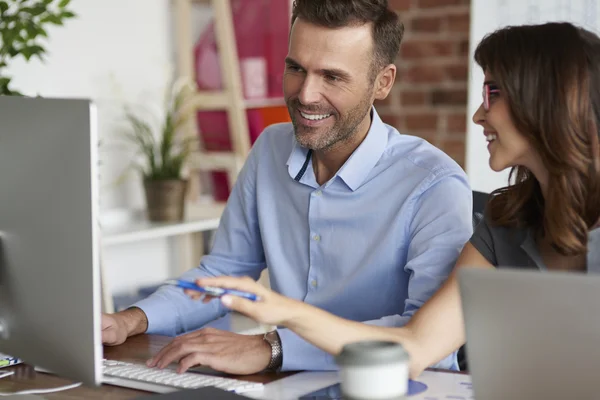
x,y
489,89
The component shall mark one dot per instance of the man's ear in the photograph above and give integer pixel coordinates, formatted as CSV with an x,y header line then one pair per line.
x,y
385,81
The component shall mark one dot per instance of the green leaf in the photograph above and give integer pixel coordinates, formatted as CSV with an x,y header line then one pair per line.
x,y
53,19
3,7
38,9
4,82
166,154
32,30
27,10
67,14
26,52
12,51
41,31
7,40
18,31
4,88
63,3
30,51
37,49
10,92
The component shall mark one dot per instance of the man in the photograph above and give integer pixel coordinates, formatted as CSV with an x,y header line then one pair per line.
x,y
346,213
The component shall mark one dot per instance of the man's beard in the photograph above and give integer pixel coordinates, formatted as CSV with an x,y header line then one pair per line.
x,y
344,127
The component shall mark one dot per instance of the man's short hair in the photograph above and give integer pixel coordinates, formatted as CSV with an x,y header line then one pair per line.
x,y
387,29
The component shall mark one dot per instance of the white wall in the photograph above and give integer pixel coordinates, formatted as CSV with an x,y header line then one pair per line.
x,y
486,16
99,55
115,51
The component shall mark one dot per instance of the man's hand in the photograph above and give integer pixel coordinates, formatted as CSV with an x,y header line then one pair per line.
x,y
220,350
116,328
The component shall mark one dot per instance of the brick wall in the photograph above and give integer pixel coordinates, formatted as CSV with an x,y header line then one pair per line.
x,y
429,98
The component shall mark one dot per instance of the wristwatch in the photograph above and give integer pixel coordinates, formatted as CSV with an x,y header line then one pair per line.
x,y
276,352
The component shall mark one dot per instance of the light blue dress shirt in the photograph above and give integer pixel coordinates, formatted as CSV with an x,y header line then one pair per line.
x,y
372,244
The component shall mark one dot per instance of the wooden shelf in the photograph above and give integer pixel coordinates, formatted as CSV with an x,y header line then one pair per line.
x,y
217,100
201,218
265,103
229,99
213,160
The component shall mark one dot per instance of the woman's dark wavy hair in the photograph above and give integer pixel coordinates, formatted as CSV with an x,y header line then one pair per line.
x,y
550,76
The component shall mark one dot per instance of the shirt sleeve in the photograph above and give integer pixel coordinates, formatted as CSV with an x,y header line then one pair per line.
x,y
441,225
438,231
483,241
237,251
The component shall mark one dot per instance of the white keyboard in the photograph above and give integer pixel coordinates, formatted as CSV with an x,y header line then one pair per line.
x,y
138,376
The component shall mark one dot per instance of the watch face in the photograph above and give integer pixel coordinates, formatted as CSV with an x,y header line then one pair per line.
x,y
273,339
269,337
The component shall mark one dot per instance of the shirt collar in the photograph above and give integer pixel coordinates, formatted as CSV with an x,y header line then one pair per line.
x,y
356,169
297,158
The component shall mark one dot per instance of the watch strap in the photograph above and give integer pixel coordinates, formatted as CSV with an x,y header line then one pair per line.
x,y
276,350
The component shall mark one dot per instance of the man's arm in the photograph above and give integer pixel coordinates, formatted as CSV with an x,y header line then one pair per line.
x,y
237,251
117,327
440,227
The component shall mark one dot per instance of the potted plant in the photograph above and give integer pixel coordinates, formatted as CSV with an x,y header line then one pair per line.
x,y
164,153
22,26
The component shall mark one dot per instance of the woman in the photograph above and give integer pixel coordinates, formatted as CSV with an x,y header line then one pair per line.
x,y
541,116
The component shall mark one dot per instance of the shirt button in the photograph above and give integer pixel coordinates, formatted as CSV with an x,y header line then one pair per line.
x,y
316,238
318,193
313,283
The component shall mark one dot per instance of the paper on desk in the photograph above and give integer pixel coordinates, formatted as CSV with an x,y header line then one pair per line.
x,y
444,386
440,386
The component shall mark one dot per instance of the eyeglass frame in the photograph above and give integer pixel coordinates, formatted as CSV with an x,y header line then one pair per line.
x,y
488,89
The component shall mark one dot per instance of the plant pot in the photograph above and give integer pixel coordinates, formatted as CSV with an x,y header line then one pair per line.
x,y
165,199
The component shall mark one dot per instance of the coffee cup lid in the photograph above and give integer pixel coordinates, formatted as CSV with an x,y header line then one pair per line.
x,y
371,353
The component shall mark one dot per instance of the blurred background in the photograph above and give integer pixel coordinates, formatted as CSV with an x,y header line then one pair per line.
x,y
205,77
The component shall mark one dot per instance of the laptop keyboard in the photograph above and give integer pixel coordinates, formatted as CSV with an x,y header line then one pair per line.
x,y
141,374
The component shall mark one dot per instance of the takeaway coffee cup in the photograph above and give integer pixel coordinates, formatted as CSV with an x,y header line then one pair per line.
x,y
373,370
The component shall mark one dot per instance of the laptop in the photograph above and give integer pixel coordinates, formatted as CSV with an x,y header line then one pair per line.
x,y
532,335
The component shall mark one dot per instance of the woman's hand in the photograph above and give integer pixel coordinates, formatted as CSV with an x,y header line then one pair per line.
x,y
271,308
319,327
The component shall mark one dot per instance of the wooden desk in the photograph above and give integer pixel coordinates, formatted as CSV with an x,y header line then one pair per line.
x,y
135,349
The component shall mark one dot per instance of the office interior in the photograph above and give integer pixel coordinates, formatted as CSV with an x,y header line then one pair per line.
x,y
131,56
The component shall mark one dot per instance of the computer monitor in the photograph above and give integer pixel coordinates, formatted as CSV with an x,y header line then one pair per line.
x,y
49,259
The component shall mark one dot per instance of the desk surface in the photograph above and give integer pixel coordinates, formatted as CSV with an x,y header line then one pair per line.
x,y
135,349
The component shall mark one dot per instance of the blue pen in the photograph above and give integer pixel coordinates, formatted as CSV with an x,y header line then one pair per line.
x,y
212,291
